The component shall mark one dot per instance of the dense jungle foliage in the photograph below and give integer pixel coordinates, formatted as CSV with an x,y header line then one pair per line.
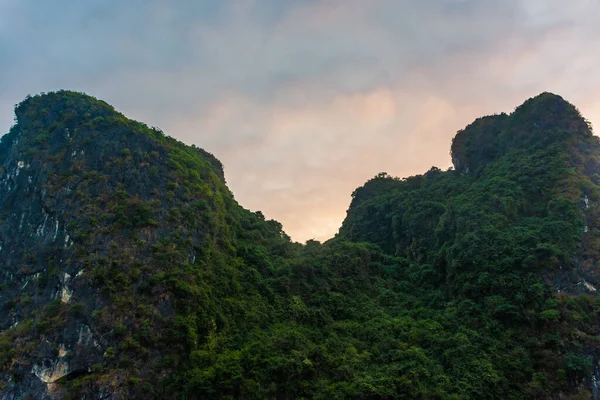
x,y
472,283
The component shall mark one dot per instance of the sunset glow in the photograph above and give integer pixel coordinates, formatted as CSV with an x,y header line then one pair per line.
x,y
305,101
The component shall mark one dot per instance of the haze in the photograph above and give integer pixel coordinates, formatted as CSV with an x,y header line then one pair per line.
x,y
305,100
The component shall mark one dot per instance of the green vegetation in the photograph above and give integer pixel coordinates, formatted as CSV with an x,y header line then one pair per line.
x,y
459,284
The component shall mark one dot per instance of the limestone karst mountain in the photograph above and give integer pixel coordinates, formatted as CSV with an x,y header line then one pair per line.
x,y
128,270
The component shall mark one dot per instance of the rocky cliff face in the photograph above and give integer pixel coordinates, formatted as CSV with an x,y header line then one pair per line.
x,y
83,189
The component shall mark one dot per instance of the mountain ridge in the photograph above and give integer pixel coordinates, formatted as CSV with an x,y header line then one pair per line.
x,y
130,271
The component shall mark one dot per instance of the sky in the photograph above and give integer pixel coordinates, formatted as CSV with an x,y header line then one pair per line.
x,y
305,100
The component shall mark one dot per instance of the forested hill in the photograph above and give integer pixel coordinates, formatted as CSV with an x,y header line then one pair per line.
x,y
128,270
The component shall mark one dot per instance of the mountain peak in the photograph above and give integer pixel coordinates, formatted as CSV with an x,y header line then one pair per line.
x,y
541,120
549,109
51,103
39,116
548,96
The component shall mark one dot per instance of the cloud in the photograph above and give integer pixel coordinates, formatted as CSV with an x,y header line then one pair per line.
x,y
304,100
